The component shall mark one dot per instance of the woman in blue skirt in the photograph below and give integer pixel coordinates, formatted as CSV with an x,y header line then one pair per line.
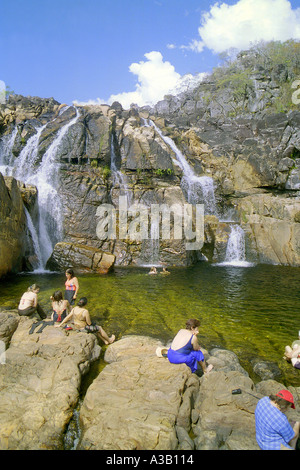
x,y
185,348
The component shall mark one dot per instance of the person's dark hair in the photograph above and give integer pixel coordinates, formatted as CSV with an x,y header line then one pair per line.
x,y
81,302
57,296
192,323
281,402
70,271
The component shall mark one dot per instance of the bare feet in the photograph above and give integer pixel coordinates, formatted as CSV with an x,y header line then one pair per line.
x,y
112,339
208,368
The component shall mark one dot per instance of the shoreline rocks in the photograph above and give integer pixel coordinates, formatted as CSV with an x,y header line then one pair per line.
x,y
142,402
39,382
138,401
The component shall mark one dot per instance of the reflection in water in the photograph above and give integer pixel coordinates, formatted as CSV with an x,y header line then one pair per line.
x,y
251,311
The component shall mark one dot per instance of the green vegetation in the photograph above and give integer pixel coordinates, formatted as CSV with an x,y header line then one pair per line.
x,y
163,172
273,64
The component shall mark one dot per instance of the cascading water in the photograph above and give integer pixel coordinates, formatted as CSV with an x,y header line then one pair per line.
x,y
46,179
6,156
45,176
35,241
118,178
235,251
198,189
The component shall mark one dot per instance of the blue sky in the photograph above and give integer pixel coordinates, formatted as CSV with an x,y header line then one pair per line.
x,y
131,50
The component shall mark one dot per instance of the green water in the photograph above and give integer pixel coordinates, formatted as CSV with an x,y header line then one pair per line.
x,y
252,311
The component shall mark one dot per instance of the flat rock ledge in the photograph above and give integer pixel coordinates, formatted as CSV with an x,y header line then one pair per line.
x,y
142,402
138,401
40,377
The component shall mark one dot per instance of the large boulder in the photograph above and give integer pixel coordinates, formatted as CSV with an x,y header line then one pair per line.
x,y
12,227
39,383
135,402
271,223
85,258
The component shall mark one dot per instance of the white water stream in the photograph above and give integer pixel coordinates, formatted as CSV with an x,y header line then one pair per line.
x,y
200,190
235,251
45,176
119,179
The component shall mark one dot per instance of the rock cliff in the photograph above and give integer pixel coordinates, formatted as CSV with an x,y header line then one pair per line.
x,y
14,237
238,130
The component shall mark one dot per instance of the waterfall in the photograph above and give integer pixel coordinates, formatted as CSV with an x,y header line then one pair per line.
x,y
118,178
235,251
6,156
198,189
35,240
46,179
45,176
28,156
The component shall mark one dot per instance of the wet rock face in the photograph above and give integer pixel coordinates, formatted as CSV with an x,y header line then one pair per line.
x,y
12,227
110,152
85,258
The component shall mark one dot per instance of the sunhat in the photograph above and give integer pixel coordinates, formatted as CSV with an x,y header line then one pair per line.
x,y
286,395
161,351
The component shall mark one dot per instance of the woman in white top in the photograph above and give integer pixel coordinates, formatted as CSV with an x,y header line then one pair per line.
x,y
82,322
29,303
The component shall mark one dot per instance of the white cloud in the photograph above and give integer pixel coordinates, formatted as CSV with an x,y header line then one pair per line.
x,y
248,21
194,45
155,78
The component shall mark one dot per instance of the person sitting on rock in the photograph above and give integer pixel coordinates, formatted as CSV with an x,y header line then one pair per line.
x,y
185,349
29,305
273,430
61,307
292,354
82,322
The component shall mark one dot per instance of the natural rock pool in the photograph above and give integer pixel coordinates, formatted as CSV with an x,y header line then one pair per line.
x,y
252,311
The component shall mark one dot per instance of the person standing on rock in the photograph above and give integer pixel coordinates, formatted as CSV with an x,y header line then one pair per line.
x,y
273,430
29,303
82,321
185,348
72,287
